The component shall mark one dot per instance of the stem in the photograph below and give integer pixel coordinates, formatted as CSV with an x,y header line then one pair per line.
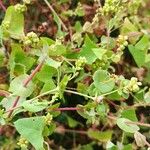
x,y
46,93
2,6
139,123
71,131
81,94
113,104
37,69
137,105
46,143
135,97
109,93
4,93
55,14
67,109
122,138
131,122
25,85
14,105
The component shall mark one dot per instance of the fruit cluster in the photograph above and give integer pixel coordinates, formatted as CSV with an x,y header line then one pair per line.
x,y
23,143
31,39
131,85
48,119
20,8
80,63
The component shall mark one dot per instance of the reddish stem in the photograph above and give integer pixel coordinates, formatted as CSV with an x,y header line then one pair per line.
x,y
73,131
113,104
37,69
4,93
67,109
2,6
25,85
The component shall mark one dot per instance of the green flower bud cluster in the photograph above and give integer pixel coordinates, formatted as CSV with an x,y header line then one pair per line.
x,y
54,46
131,85
5,25
96,18
79,10
48,119
117,57
111,7
134,6
122,42
80,63
26,1
55,97
104,63
77,38
31,39
20,8
23,143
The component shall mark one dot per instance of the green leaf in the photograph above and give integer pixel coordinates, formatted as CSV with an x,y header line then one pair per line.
x,y
87,52
129,114
17,88
48,86
143,44
115,96
1,36
8,102
53,63
46,73
138,55
2,57
72,122
104,136
127,28
48,130
31,129
102,81
64,82
46,41
58,50
147,97
128,147
16,20
34,106
125,126
111,146
99,52
19,61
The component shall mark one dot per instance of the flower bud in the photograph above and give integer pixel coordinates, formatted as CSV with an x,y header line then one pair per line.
x,y
20,8
48,119
26,1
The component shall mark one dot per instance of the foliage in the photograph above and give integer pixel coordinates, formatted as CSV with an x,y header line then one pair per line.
x,y
74,74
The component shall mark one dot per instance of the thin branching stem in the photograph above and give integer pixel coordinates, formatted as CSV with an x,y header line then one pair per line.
x,y
26,82
2,5
54,12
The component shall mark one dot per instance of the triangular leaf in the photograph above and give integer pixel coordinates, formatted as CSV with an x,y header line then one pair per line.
x,y
87,52
125,126
103,82
31,129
